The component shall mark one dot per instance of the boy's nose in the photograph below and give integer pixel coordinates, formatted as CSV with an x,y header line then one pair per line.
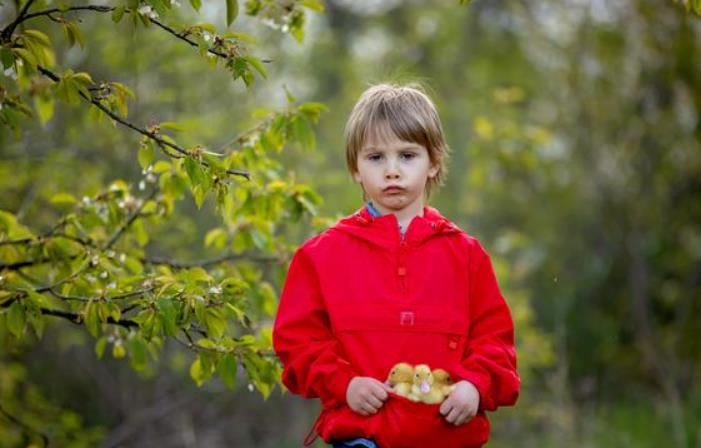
x,y
391,174
392,170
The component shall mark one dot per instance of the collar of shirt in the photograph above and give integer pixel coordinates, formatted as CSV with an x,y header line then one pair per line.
x,y
374,212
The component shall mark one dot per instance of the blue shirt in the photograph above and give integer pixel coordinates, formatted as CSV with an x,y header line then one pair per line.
x,y
375,212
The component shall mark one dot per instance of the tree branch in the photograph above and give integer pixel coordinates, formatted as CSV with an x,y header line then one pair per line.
x,y
20,423
261,258
135,214
6,33
152,135
78,319
98,8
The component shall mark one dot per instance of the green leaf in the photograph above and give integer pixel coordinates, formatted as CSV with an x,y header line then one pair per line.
x,y
168,316
248,78
195,172
227,370
257,64
161,167
232,11
37,322
45,108
216,324
303,133
313,110
16,318
38,36
134,265
199,194
216,237
313,5
290,98
197,373
92,318
259,239
146,155
100,347
137,353
63,198
140,232
8,58
196,4
118,13
269,299
26,56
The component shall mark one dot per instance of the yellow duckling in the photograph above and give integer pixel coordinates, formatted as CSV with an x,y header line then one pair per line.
x,y
401,378
422,389
443,382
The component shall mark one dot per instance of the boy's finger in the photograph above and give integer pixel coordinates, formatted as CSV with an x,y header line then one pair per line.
x,y
374,402
379,392
453,415
446,407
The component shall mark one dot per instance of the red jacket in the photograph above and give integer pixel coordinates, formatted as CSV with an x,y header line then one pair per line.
x,y
359,298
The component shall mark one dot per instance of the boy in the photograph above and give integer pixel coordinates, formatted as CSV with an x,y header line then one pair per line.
x,y
395,282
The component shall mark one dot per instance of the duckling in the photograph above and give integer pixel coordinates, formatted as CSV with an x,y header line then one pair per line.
x,y
443,382
400,378
422,389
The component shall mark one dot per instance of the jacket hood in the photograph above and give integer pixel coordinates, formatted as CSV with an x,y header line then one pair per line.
x,y
383,230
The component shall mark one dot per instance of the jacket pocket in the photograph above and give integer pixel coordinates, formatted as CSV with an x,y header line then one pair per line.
x,y
343,423
376,338
402,423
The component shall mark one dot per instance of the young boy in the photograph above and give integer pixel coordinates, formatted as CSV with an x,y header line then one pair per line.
x,y
395,282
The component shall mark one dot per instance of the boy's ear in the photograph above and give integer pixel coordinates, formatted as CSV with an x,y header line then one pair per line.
x,y
433,171
356,176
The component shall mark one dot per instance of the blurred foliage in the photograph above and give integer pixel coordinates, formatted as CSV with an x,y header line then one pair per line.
x,y
575,136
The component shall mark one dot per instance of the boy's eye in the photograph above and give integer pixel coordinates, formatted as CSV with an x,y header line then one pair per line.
x,y
374,157
408,155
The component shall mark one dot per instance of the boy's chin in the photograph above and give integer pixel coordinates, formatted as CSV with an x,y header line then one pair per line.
x,y
392,206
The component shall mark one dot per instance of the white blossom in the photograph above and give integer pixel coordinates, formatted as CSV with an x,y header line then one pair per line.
x,y
148,11
10,73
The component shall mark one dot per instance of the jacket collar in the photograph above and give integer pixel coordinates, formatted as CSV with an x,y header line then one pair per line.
x,y
384,230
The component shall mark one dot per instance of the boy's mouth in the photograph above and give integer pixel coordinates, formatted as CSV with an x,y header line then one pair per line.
x,y
392,188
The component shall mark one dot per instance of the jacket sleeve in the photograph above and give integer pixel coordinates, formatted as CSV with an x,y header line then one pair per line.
x,y
489,361
313,362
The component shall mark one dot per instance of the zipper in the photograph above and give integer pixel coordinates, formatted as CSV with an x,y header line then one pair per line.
x,y
401,268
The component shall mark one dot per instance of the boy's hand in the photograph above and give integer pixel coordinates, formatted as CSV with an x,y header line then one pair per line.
x,y
462,404
365,395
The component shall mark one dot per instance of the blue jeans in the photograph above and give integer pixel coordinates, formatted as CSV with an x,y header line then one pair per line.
x,y
355,443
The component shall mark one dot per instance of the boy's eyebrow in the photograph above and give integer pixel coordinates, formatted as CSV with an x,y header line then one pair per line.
x,y
403,146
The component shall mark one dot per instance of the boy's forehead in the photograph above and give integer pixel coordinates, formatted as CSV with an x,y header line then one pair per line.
x,y
382,136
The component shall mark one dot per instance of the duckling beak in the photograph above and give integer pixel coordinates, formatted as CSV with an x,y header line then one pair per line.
x,y
425,387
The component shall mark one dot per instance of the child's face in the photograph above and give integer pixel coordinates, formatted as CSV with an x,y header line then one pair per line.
x,y
386,161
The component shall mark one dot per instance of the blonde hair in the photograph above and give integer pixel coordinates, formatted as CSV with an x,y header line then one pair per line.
x,y
409,113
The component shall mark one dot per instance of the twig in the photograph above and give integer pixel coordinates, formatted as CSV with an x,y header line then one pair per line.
x,y
78,319
152,135
9,29
18,422
129,221
204,263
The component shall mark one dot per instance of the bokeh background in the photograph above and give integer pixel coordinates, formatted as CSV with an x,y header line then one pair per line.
x,y
575,138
